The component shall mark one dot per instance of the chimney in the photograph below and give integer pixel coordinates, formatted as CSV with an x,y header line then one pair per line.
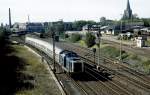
x,y
9,18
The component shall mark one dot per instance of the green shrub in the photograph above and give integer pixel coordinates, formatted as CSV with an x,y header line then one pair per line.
x,y
146,63
90,39
75,37
146,66
134,57
124,55
110,51
66,36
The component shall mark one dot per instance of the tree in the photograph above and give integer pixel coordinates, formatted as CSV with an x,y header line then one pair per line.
x,y
91,22
102,19
75,37
2,25
3,35
90,39
146,22
135,16
77,25
66,36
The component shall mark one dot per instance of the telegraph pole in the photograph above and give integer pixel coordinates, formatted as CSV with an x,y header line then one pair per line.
x,y
120,42
99,41
53,37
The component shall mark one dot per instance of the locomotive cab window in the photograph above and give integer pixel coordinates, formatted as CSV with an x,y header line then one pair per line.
x,y
77,67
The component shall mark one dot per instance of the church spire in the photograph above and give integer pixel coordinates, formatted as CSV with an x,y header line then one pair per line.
x,y
128,5
127,12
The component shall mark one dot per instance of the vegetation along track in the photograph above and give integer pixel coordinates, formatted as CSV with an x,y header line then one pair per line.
x,y
138,51
136,77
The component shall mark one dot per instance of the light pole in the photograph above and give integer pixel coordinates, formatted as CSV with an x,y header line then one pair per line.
x,y
133,32
53,37
99,40
120,42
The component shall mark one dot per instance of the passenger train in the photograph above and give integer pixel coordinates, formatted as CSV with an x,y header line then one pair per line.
x,y
68,60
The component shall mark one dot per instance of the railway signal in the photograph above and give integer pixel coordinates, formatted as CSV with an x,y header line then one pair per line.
x,y
94,51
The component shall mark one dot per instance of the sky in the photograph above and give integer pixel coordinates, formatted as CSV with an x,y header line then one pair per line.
x,y
69,10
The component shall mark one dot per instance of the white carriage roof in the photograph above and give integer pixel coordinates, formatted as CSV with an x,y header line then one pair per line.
x,y
46,44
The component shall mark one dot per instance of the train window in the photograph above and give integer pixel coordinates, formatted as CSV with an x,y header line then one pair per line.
x,y
73,54
64,61
70,66
77,67
60,59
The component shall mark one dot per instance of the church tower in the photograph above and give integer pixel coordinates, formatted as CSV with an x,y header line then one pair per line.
x,y
128,11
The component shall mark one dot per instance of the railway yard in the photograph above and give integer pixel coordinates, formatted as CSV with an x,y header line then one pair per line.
x,y
112,78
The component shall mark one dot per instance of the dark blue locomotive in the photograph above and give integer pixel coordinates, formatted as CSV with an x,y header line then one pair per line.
x,y
70,61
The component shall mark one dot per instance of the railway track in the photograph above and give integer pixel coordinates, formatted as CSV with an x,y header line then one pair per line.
x,y
125,81
113,88
134,78
84,87
65,80
138,51
61,76
90,54
121,73
137,83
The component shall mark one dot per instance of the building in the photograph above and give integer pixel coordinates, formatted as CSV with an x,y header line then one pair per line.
x,y
18,28
68,26
27,27
141,31
35,27
146,29
128,12
85,28
141,41
91,27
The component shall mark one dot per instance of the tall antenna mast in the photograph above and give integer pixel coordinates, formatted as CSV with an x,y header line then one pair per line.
x,y
28,18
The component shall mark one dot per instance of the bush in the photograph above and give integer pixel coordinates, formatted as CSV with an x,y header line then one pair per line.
x,y
146,63
90,39
66,36
110,51
134,57
75,37
1,35
146,66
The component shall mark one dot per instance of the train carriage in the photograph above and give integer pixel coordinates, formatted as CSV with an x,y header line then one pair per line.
x,y
68,60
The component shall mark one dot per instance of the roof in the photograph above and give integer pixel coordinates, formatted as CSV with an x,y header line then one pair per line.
x,y
46,44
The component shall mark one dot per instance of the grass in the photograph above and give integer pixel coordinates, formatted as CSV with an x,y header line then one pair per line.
x,y
110,51
147,42
40,75
82,43
138,62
